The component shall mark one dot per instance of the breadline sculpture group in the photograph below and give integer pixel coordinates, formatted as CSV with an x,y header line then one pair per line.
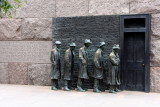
x,y
98,71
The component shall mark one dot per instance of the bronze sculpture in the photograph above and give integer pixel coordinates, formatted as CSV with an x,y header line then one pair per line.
x,y
69,66
83,63
56,66
98,66
114,75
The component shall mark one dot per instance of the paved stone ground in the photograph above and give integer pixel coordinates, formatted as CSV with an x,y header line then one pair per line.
x,y
42,96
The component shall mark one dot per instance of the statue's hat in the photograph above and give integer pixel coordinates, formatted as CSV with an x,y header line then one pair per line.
x,y
102,43
87,41
116,46
72,44
57,42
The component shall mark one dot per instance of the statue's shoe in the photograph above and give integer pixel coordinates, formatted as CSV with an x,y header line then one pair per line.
x,y
117,90
66,88
80,89
97,90
112,91
53,88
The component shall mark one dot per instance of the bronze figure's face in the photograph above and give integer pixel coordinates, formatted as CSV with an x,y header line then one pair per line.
x,y
103,47
116,48
58,46
87,44
72,48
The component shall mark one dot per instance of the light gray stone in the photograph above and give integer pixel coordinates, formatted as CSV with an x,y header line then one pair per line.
x,y
71,8
36,8
10,29
155,50
155,26
155,40
4,78
108,7
144,6
154,79
18,73
37,29
25,51
39,74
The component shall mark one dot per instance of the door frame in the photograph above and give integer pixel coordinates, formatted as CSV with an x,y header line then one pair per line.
x,y
147,31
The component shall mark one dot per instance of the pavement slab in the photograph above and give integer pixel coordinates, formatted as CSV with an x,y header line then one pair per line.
x,y
43,96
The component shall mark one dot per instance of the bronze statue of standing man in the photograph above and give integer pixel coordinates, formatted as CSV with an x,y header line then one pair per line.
x,y
56,66
83,65
98,66
114,75
69,66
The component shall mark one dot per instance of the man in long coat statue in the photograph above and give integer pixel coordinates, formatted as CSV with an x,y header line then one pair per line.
x,y
114,74
98,66
83,65
69,66
56,65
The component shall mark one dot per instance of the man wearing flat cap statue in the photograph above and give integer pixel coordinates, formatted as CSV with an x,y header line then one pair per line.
x,y
98,66
114,75
56,66
69,66
83,63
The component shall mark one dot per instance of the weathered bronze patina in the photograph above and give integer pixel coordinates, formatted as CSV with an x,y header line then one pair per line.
x,y
83,61
69,66
56,66
114,75
98,66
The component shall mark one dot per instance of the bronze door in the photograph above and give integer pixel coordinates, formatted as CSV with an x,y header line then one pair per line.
x,y
134,58
135,52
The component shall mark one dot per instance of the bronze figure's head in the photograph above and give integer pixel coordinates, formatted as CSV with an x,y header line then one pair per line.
x,y
87,42
72,46
102,45
116,48
58,44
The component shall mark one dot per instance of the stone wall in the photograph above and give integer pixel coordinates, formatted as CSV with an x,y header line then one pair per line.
x,y
30,30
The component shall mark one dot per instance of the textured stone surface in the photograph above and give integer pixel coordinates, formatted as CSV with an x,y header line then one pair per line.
x,y
155,26
108,7
155,50
144,6
10,29
155,40
155,79
37,29
4,79
39,74
25,51
18,73
37,8
71,8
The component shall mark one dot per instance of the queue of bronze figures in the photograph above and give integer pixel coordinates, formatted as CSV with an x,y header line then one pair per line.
x,y
113,64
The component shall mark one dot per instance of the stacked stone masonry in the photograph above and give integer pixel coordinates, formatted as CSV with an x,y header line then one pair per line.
x,y
33,22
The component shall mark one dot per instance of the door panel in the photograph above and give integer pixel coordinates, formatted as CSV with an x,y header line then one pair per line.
x,y
134,48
